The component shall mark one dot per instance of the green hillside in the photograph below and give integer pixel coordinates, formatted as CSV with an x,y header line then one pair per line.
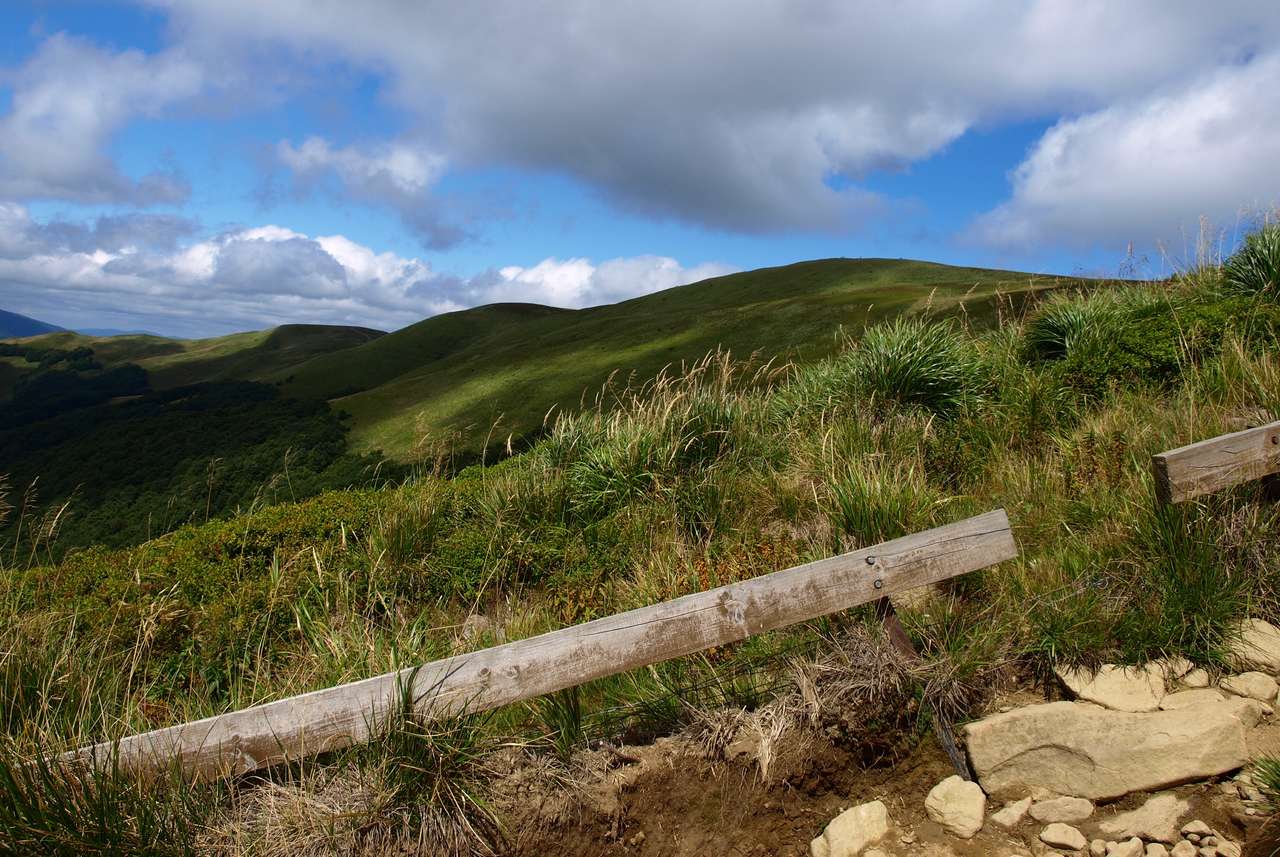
x,y
248,356
463,372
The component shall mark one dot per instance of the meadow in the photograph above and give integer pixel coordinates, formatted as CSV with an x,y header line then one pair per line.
x,y
717,470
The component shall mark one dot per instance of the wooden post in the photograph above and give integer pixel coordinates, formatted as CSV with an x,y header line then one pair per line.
x,y
324,720
1220,462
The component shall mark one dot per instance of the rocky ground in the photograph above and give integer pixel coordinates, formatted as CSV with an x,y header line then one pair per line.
x,y
1145,762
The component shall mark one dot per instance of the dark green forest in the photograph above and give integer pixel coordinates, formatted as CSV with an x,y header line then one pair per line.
x,y
107,460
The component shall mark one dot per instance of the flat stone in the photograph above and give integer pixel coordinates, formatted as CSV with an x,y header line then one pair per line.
x,y
1189,698
1059,835
1066,809
1128,848
852,830
1118,688
958,805
1196,678
1257,647
1254,685
1175,667
1079,749
1196,827
1156,820
1229,849
1183,849
1012,814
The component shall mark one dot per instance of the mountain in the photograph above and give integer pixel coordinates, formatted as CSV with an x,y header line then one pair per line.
x,y
462,372
14,326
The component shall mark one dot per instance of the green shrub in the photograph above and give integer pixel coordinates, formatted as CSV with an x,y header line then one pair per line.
x,y
1068,325
1254,268
931,365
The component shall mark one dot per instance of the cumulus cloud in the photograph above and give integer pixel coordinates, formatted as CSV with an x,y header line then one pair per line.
x,y
758,117
398,174
257,277
67,102
1146,169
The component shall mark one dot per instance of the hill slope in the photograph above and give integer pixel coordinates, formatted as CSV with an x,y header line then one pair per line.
x,y
13,325
464,371
248,356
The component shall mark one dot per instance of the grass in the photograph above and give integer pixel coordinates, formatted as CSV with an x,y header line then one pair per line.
x,y
724,470
510,364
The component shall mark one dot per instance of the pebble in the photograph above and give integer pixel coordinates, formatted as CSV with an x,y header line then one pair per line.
x,y
1012,814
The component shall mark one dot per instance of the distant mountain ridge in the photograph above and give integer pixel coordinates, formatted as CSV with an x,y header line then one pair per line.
x,y
15,326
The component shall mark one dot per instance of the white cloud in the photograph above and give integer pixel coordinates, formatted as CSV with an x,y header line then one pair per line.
x,y
397,174
68,101
1146,169
757,117
268,275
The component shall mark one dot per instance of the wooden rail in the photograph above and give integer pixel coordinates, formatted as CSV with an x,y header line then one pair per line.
x,y
323,720
1220,462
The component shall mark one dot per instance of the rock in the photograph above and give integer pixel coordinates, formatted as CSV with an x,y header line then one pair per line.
x,y
1012,814
1059,835
1097,848
1156,820
1189,698
1229,849
1068,809
1208,851
1196,828
1254,685
1078,749
957,805
1183,849
1257,647
875,852
1128,848
1155,849
1175,667
852,830
1196,678
1118,688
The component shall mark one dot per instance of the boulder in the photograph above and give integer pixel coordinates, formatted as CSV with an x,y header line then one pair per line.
x,y
1118,688
1254,685
1078,749
1257,647
1059,835
1196,678
957,805
852,830
1156,820
1128,848
1066,809
1012,814
1189,698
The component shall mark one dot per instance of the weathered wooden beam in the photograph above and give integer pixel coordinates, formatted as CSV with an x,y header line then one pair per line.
x,y
1220,462
323,720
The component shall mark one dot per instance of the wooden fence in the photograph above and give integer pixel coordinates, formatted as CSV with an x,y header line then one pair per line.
x,y
323,720
1210,465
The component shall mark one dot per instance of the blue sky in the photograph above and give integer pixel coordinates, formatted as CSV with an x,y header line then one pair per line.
x,y
195,167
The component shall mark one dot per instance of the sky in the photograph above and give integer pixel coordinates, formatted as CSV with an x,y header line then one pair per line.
x,y
197,167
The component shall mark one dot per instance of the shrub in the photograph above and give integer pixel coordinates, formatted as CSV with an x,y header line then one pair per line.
x,y
1067,325
1254,269
931,365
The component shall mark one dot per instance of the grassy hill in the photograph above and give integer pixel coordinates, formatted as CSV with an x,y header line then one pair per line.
x,y
248,356
463,372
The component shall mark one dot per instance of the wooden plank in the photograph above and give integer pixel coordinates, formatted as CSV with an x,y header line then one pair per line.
x,y
323,720
1220,462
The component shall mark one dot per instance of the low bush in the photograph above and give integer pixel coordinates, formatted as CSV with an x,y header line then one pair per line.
x,y
1254,268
